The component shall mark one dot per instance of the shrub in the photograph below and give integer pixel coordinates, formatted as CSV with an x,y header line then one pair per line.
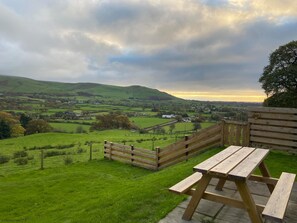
x,y
54,153
21,161
4,159
80,150
68,160
19,154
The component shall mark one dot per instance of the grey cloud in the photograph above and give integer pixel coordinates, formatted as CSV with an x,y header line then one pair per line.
x,y
170,45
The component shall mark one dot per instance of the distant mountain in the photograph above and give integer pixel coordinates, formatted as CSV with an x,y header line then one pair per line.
x,y
21,85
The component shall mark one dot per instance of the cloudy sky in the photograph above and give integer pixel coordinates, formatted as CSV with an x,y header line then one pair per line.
x,y
195,49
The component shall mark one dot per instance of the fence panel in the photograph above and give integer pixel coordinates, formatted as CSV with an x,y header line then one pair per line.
x,y
273,128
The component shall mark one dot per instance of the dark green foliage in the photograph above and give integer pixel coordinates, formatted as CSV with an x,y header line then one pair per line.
x,y
112,121
54,153
279,78
196,126
4,159
24,120
21,161
283,99
4,130
68,160
37,126
19,154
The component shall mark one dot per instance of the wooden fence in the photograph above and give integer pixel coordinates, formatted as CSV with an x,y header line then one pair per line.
x,y
273,128
161,158
235,133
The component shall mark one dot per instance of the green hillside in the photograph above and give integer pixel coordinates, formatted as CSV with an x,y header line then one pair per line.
x,y
21,85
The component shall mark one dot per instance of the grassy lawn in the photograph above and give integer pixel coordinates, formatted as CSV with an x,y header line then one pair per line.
x,y
103,191
144,122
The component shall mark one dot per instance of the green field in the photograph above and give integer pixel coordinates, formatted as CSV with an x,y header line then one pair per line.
x,y
69,127
102,191
144,122
56,140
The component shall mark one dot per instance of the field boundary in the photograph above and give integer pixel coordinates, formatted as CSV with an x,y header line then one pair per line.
x,y
270,128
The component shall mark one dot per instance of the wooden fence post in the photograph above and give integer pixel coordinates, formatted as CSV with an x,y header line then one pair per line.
x,y
222,132
132,154
105,142
110,150
41,159
186,147
91,151
157,157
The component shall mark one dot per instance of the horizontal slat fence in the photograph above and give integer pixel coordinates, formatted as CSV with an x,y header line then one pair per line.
x,y
273,128
190,146
172,154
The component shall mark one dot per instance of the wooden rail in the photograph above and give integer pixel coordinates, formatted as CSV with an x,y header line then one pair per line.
x,y
273,128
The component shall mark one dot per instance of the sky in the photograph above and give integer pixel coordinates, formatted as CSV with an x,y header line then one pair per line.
x,y
194,49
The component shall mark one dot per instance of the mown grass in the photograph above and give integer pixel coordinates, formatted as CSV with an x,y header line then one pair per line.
x,y
103,191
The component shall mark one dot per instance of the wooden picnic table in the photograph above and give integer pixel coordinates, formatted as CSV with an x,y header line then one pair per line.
x,y
237,164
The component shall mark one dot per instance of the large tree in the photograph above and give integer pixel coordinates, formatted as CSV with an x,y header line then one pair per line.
x,y
10,126
279,78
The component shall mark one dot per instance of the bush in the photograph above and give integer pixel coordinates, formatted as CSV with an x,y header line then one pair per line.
x,y
80,150
4,159
19,154
68,160
54,153
21,161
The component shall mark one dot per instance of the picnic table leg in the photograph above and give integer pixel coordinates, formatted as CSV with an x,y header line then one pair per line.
x,y
221,184
196,197
249,202
265,173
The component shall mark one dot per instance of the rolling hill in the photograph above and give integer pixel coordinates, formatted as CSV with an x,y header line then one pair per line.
x,y
21,85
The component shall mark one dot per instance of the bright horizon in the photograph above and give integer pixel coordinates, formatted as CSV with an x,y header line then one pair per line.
x,y
234,96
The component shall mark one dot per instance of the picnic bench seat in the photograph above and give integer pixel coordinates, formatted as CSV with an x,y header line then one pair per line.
x,y
186,184
278,201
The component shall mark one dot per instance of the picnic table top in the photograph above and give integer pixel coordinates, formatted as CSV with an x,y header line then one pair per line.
x,y
233,163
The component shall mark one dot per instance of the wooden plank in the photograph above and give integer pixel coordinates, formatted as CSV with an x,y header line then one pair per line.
x,y
232,135
273,141
191,154
226,134
186,184
265,173
235,122
196,197
199,136
143,165
278,201
273,122
238,135
144,151
206,165
274,147
128,157
273,116
274,135
266,180
183,151
224,200
243,170
223,168
274,129
249,202
147,156
273,110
